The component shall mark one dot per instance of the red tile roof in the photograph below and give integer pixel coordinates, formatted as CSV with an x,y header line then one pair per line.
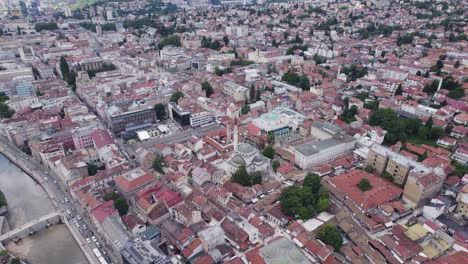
x,y
101,138
104,210
382,190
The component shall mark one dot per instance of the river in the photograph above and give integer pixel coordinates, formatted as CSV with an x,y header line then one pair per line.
x,y
27,201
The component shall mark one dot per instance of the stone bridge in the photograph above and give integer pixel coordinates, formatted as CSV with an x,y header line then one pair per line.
x,y
31,227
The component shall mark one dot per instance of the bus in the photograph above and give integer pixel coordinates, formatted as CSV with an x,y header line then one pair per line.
x,y
97,253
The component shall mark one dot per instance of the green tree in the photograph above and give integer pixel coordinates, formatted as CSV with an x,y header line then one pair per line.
x,y
323,204
119,202
271,139
258,95
160,110
364,185
456,93
6,111
369,169
158,164
252,92
176,96
206,86
121,205
423,156
269,152
64,66
436,132
275,164
226,40
26,149
330,235
15,261
242,177
3,200
423,132
312,181
429,123
399,90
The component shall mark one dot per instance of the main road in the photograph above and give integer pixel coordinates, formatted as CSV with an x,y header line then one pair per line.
x,y
80,225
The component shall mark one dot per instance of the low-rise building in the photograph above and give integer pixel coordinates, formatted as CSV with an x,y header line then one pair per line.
x,y
312,154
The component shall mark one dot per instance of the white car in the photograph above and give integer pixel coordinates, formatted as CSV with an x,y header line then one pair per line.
x,y
66,200
85,226
74,220
88,240
77,225
68,212
79,217
46,179
94,238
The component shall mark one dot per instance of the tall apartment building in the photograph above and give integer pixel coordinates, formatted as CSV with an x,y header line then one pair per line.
x,y
420,188
398,166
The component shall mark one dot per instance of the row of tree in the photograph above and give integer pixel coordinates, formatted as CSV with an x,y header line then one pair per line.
x,y
402,129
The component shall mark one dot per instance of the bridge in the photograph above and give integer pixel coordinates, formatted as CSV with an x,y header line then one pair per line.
x,y
31,227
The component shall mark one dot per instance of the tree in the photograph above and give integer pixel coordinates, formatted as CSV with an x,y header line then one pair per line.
x,y
429,123
176,96
45,26
206,86
64,66
258,95
436,132
121,205
26,149
6,111
423,156
15,261
330,235
423,132
252,92
158,164
226,40
3,200
160,110
271,138
93,169
323,204
369,169
242,177
275,164
312,181
119,202
399,90
456,93
364,185
269,152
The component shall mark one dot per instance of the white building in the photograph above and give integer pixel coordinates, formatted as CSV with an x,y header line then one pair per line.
x,y
279,121
200,119
312,154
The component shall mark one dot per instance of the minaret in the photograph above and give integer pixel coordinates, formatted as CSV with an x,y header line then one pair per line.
x,y
236,138
440,84
228,134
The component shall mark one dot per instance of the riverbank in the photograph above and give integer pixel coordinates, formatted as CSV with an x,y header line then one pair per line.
x,y
27,200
